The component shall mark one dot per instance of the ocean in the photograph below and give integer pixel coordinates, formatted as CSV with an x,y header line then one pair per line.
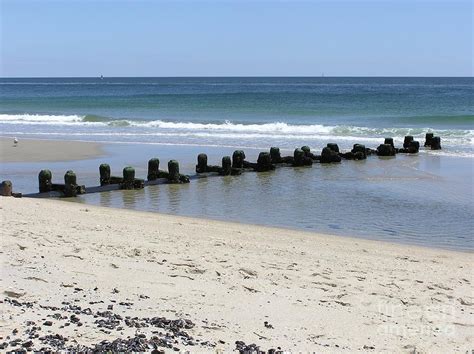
x,y
424,199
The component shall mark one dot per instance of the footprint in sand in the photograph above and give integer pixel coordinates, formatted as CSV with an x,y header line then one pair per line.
x,y
248,273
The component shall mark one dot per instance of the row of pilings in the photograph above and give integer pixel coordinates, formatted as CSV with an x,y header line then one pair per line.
x,y
230,166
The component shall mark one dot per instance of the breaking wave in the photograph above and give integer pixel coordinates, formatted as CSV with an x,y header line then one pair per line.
x,y
40,119
95,124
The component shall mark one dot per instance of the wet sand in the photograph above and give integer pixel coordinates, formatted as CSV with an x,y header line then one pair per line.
x,y
30,150
79,270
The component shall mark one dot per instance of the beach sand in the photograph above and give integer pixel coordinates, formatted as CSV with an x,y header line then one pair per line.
x,y
315,292
30,150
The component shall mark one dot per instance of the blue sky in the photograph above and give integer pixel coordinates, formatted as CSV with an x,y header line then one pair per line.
x,y
236,38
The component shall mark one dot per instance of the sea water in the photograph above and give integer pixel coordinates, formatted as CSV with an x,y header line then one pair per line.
x,y
422,199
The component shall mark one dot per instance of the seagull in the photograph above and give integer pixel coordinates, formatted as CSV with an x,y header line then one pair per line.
x,y
15,141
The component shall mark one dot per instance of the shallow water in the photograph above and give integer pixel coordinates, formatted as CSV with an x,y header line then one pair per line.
x,y
425,199
417,199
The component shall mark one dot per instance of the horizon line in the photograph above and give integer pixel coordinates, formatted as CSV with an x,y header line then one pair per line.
x,y
233,76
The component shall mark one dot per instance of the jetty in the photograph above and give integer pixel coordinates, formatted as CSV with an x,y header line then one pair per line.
x,y
230,166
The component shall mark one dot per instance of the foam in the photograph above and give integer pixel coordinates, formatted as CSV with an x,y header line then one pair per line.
x,y
230,130
39,118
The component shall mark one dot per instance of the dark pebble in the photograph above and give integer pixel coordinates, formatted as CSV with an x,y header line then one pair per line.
x,y
172,335
27,344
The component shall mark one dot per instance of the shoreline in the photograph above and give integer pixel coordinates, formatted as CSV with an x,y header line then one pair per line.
x,y
97,148
44,150
103,143
279,228
228,279
24,178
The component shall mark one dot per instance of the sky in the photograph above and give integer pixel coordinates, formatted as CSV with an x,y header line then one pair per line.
x,y
235,38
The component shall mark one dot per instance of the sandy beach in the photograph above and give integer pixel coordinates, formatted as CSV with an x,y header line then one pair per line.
x,y
243,177
78,271
35,150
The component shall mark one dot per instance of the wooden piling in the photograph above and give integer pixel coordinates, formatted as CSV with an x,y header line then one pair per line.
x,y
359,151
334,147
226,169
153,169
264,162
385,150
70,184
104,171
238,158
389,141
406,142
275,155
201,166
44,179
413,147
173,170
330,155
428,138
436,143
128,181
